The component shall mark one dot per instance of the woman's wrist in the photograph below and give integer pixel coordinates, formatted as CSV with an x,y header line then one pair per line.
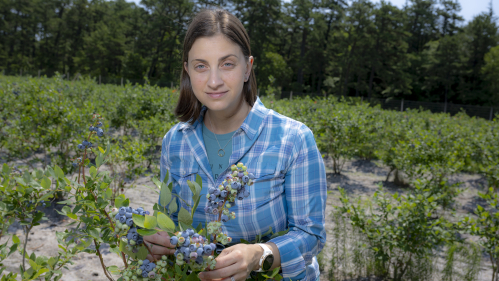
x,y
257,254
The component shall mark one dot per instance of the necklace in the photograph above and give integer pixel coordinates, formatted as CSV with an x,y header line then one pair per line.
x,y
221,151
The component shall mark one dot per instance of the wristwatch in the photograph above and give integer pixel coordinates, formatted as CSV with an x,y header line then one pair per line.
x,y
266,260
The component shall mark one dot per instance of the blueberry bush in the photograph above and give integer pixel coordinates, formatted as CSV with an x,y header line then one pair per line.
x,y
54,153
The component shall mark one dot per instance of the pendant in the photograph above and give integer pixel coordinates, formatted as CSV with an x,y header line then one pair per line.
x,y
221,152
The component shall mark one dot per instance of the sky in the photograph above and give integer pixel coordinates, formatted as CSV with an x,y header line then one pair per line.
x,y
469,8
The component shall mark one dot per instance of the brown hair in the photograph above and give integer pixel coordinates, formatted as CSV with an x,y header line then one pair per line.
x,y
206,23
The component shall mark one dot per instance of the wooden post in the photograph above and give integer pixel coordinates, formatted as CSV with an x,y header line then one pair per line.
x,y
99,79
445,107
122,81
38,73
291,95
402,105
21,72
491,113
171,85
68,75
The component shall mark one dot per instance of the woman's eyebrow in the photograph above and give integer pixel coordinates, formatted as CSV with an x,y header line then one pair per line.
x,y
220,59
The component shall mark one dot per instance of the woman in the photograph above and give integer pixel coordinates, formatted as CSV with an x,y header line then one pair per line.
x,y
232,126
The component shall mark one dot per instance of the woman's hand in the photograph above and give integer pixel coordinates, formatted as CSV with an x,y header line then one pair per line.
x,y
237,261
159,244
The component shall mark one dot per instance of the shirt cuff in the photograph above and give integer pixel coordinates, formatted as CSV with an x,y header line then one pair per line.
x,y
292,263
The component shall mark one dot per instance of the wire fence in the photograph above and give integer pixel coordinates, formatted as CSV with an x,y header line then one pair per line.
x,y
98,78
486,112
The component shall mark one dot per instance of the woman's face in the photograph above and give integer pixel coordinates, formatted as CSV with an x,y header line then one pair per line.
x,y
217,70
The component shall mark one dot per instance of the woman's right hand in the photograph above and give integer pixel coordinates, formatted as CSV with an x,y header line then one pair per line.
x,y
159,244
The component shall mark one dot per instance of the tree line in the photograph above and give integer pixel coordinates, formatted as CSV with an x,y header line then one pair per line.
x,y
423,51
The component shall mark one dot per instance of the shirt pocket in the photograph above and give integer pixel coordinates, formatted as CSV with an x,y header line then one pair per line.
x,y
181,172
269,182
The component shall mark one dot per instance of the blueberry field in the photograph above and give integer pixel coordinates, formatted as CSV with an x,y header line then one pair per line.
x,y
412,195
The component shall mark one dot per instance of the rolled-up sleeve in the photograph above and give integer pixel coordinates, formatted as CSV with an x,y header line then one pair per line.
x,y
306,193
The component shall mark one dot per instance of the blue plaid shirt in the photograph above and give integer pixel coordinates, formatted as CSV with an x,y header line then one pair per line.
x,y
289,189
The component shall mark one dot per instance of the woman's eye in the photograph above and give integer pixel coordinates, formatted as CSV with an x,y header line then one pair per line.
x,y
228,63
198,66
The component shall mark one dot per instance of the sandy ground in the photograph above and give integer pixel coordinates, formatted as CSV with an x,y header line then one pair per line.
x,y
359,178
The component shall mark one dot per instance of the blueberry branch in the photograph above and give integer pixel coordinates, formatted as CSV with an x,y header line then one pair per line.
x,y
102,261
150,252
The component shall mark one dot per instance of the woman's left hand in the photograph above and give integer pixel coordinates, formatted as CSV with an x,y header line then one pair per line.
x,y
237,261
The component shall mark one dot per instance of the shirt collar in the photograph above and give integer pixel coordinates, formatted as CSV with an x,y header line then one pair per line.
x,y
251,125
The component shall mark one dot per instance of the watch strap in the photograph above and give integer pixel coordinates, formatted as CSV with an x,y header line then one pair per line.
x,y
266,251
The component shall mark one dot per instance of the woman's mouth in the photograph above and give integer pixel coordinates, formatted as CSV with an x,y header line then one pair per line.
x,y
216,95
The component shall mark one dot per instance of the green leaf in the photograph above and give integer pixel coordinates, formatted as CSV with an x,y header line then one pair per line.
x,y
172,208
167,176
165,223
46,183
6,170
184,216
15,239
147,232
52,262
58,172
184,226
94,232
199,181
113,269
150,222
40,272
192,277
103,185
98,160
156,182
165,195
138,220
119,201
194,186
71,215
93,172
141,254
196,199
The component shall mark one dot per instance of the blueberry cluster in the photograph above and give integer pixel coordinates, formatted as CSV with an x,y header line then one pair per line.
x,y
215,227
30,202
76,162
233,186
193,249
86,144
146,270
97,129
124,224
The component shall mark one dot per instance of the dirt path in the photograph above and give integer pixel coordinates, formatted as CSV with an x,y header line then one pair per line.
x,y
359,178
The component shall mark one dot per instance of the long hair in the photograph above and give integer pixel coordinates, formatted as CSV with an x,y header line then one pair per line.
x,y
210,22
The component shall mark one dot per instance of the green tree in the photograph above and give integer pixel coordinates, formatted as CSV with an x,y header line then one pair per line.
x,y
491,72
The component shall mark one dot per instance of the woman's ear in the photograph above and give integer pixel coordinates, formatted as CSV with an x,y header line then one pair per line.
x,y
249,65
185,67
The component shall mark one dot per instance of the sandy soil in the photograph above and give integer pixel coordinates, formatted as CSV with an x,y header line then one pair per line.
x,y
359,178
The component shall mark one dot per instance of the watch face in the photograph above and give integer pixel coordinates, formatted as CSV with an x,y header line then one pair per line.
x,y
267,263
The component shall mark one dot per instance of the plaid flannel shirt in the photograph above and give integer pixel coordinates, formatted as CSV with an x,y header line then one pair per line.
x,y
289,189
